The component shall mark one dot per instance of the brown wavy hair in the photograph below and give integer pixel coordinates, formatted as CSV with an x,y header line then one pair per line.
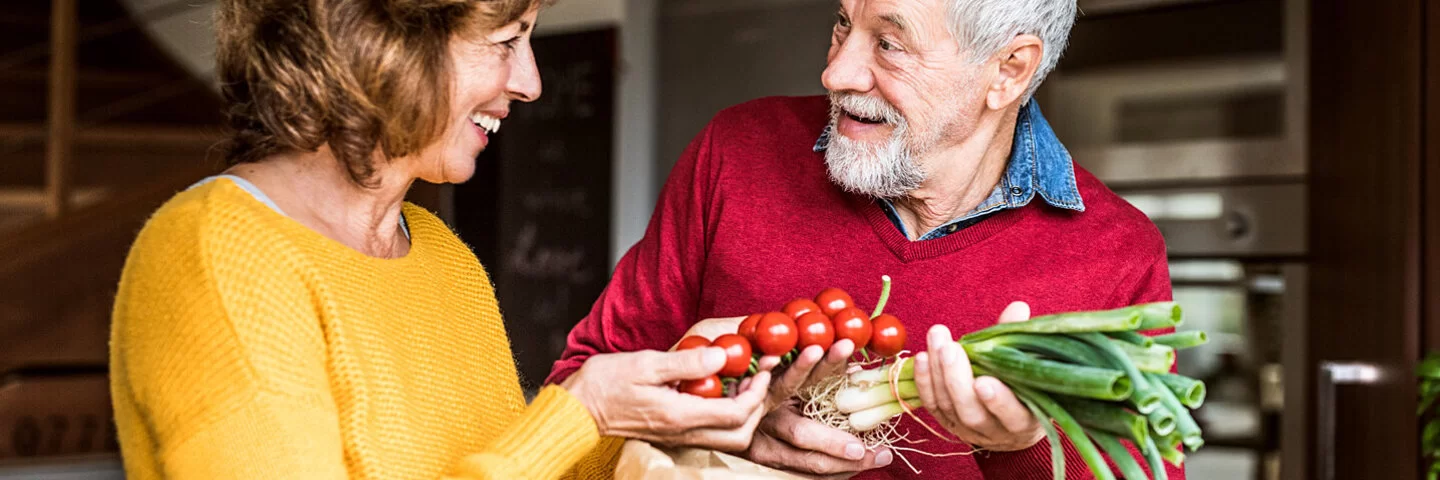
x,y
358,75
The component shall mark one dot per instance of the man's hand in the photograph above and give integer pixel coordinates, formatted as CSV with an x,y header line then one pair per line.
x,y
788,441
980,411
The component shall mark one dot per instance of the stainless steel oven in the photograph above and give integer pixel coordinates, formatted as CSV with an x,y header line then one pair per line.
x,y
1211,149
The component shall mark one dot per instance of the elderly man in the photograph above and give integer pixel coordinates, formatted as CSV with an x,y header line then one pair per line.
x,y
929,163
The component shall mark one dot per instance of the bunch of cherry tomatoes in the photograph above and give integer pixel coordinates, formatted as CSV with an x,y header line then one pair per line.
x,y
830,317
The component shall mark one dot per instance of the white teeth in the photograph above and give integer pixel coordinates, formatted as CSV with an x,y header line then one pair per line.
x,y
489,123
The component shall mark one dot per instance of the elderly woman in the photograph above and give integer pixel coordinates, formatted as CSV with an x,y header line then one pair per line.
x,y
294,318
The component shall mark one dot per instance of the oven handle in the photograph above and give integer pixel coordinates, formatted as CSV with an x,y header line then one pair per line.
x,y
1333,374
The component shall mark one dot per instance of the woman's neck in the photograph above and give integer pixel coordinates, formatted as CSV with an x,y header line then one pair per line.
x,y
316,190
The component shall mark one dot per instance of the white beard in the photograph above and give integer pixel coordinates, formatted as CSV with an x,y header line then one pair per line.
x,y
884,170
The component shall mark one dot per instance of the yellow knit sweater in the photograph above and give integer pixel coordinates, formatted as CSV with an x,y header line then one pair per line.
x,y
246,345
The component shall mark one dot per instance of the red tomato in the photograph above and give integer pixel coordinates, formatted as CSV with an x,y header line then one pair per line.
x,y
775,334
800,306
889,338
853,324
708,387
747,326
737,354
693,341
833,300
815,329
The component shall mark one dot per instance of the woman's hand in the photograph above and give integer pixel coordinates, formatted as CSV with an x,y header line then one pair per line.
x,y
633,395
981,411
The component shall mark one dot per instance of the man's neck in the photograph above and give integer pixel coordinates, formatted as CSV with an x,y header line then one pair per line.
x,y
960,177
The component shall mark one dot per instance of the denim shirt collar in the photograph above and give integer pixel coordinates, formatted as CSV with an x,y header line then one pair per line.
x,y
1038,165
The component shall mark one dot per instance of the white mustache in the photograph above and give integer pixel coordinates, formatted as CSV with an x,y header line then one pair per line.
x,y
865,106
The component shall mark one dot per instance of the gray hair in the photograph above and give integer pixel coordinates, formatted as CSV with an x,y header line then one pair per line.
x,y
983,27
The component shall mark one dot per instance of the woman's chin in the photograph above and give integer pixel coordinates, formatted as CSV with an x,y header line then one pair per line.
x,y
458,171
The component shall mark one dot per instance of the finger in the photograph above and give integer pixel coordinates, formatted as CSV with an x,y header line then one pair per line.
x,y
767,450
1015,312
666,367
923,381
727,439
939,339
788,425
1001,403
795,376
752,395
960,384
769,362
835,361
690,412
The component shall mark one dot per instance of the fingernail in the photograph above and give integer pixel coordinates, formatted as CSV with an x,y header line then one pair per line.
x,y
950,354
985,391
884,458
854,451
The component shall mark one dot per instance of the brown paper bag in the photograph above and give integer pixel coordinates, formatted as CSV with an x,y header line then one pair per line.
x,y
641,460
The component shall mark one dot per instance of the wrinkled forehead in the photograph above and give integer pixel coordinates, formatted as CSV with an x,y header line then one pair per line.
x,y
920,19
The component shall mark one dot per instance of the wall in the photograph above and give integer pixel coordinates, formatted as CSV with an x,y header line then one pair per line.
x,y
716,54
184,31
634,174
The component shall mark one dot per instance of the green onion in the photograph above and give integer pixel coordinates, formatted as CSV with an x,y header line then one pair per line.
x,y
1184,423
1182,340
1120,455
1057,448
1099,321
1169,446
1092,377
1162,421
1075,380
1158,315
1152,454
1061,347
852,400
1134,338
1107,417
1189,391
1144,398
1156,358
867,419
882,374
1072,429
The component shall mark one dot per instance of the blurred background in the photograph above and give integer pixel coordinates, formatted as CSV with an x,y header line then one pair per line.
x,y
1281,146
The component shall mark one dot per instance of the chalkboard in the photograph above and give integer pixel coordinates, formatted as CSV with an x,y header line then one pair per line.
x,y
546,242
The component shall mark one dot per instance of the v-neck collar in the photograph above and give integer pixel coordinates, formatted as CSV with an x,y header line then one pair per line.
x,y
910,251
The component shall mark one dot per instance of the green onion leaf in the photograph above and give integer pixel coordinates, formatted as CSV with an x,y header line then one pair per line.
x,y
1120,455
1016,367
1072,429
1182,340
1189,391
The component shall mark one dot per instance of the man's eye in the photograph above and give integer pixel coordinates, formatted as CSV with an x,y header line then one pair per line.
x,y
841,21
887,46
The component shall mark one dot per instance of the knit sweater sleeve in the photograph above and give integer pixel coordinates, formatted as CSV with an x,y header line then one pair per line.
x,y
1150,283
218,344
653,295
220,349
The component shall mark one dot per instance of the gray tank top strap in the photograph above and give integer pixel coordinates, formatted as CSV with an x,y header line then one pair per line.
x,y
265,199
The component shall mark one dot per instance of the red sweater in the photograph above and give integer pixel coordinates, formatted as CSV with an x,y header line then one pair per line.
x,y
748,220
